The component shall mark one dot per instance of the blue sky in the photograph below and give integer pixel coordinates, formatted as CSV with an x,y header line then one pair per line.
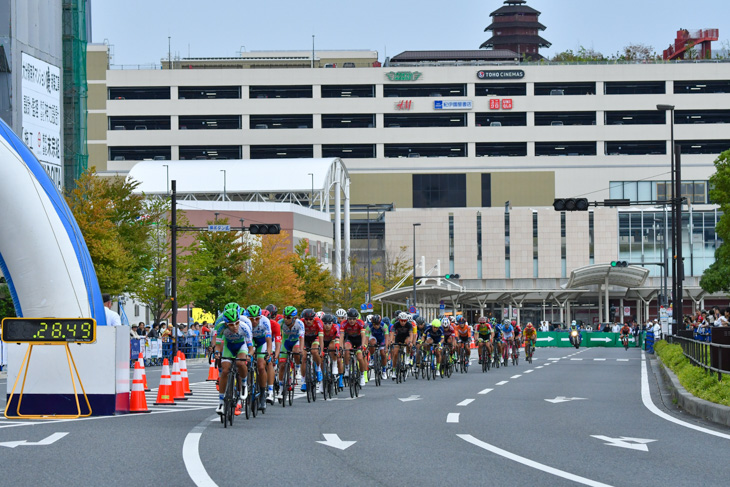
x,y
139,31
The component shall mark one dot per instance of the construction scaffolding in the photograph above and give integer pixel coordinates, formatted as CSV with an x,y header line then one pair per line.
x,y
75,153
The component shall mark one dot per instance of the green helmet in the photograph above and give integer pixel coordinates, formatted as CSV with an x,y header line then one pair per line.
x,y
254,310
436,323
290,311
231,312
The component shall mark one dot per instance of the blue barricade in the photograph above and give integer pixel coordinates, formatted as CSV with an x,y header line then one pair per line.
x,y
155,351
649,342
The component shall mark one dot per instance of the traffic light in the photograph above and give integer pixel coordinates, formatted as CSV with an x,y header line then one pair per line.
x,y
619,263
264,229
570,204
452,276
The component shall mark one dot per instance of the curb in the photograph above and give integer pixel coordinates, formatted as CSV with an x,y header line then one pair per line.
x,y
716,413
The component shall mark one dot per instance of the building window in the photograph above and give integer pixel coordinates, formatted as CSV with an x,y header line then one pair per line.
x,y
564,88
209,122
139,123
210,152
419,90
348,121
349,151
280,122
139,93
282,152
701,116
451,243
565,118
501,149
425,120
501,119
270,91
565,148
208,92
591,246
563,248
140,153
693,86
696,192
500,89
426,150
535,255
486,190
635,147
634,87
348,91
704,146
439,190
506,243
635,117
479,243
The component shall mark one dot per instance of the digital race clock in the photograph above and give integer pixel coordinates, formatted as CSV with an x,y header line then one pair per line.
x,y
48,330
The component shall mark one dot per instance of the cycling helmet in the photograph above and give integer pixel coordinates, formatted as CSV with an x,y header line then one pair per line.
x,y
397,313
506,322
368,318
493,320
308,314
375,319
403,316
231,312
513,322
352,313
272,309
460,319
290,311
265,313
482,319
446,321
420,321
436,323
341,314
328,319
254,310
319,314
529,324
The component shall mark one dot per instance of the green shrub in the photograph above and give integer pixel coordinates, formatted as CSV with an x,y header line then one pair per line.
x,y
695,379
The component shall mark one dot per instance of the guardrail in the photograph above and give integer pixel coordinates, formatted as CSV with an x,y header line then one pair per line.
x,y
713,357
154,350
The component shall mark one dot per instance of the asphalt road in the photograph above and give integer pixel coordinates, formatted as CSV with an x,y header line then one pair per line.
x,y
496,428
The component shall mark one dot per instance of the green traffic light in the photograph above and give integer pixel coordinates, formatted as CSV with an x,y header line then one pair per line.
x,y
448,276
613,263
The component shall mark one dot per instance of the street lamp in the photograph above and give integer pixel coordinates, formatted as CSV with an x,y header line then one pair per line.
x,y
414,262
224,184
311,194
167,169
676,199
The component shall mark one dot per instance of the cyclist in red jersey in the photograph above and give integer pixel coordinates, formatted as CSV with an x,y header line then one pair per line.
x,y
270,312
331,341
353,337
313,332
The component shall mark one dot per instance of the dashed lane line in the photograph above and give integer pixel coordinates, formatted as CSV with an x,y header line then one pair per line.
x,y
528,371
485,391
501,383
516,376
466,402
452,418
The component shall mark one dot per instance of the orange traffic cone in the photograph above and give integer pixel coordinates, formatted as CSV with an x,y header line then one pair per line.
x,y
184,375
177,391
164,393
140,361
138,403
212,371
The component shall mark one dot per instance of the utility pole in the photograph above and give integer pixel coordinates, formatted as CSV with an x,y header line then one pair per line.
x,y
173,261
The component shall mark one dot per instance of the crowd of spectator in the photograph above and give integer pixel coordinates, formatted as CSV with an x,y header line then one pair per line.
x,y
702,322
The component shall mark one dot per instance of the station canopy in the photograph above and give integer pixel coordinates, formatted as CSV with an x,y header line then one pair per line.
x,y
596,274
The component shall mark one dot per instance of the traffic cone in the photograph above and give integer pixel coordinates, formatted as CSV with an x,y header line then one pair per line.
x,y
140,361
212,371
138,403
184,375
164,393
177,390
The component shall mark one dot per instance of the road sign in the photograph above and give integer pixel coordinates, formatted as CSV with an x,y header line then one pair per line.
x,y
441,302
219,228
442,306
363,306
627,311
412,309
370,306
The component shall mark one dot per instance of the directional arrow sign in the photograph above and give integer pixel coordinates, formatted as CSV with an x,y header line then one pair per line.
x,y
46,441
335,442
410,398
604,339
626,442
565,399
565,339
545,339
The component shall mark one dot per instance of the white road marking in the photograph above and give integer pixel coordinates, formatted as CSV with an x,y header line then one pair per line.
x,y
452,418
528,371
552,358
466,402
600,359
531,463
622,360
486,391
516,376
501,383
576,359
539,367
191,458
646,399
626,442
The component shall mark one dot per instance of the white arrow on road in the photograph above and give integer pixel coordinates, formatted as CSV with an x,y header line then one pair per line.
x,y
410,398
46,441
546,339
604,339
565,399
626,442
335,442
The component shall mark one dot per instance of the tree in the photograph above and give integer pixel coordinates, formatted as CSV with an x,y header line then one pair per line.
x,y
7,308
716,278
215,270
639,52
583,55
316,281
97,206
272,278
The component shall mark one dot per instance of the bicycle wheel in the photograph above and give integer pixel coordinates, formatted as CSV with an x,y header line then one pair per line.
x,y
357,378
483,355
253,393
351,378
291,382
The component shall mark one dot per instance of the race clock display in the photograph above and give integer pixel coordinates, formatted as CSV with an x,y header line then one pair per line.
x,y
48,330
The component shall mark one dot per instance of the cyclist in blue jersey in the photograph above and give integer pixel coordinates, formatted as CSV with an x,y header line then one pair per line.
x,y
261,331
380,337
498,334
292,336
508,336
433,335
233,341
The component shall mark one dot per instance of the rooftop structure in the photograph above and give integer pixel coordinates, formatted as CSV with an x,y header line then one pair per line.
x,y
686,40
515,27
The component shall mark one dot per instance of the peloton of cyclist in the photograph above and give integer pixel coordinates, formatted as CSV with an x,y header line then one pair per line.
x,y
530,335
313,333
331,343
404,332
433,335
508,334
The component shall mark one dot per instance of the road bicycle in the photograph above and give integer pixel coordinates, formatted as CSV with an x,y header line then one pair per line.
x,y
289,379
376,366
355,374
529,350
486,357
232,395
496,355
516,352
310,377
625,340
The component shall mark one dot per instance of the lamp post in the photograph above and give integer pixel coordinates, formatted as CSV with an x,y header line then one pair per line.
x,y
224,184
167,169
676,199
311,194
242,229
414,262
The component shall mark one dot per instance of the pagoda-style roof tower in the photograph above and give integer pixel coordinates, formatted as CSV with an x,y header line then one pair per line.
x,y
515,27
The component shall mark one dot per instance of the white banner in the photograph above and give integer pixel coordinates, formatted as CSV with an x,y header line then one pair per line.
x,y
41,99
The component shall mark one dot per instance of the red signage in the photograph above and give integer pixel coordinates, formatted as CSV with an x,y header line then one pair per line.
x,y
403,105
494,104
507,104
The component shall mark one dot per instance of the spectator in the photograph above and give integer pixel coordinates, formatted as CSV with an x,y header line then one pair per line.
x,y
724,319
141,331
153,332
133,332
205,331
615,328
112,317
657,330
191,331
165,332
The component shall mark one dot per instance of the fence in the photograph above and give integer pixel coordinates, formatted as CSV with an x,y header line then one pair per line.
x,y
154,350
713,357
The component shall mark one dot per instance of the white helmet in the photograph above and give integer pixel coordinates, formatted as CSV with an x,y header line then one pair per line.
x,y
369,318
341,313
319,314
410,317
403,315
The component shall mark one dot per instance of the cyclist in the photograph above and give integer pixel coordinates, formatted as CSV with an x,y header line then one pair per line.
x,y
483,333
331,342
341,315
404,332
353,336
498,335
261,331
233,331
518,336
463,337
270,313
449,334
433,334
625,332
292,331
530,335
313,332
508,336
380,337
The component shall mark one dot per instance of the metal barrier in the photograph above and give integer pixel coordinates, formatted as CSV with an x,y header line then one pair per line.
x,y
155,350
702,354
649,341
